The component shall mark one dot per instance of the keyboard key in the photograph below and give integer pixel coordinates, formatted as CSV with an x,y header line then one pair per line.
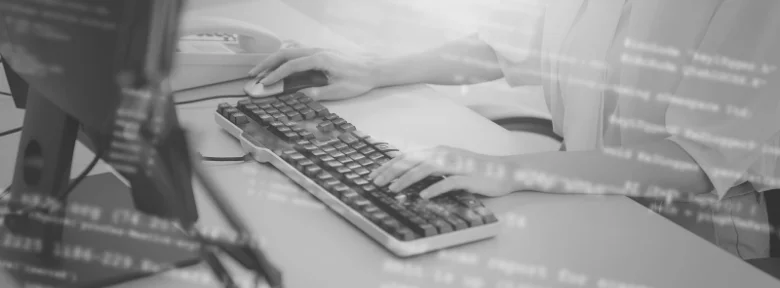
x,y
359,145
286,97
299,106
404,234
360,181
328,149
329,184
349,195
331,117
292,103
266,119
353,165
240,119
336,154
310,147
222,106
340,146
243,103
327,158
344,159
318,108
368,187
333,164
351,176
347,127
286,109
367,151
318,153
304,100
365,162
324,176
339,189
348,151
278,104
308,114
312,171
257,111
280,117
348,138
301,165
306,135
487,216
253,106
343,170
273,111
339,121
370,209
378,158
325,126
357,156
362,171
294,115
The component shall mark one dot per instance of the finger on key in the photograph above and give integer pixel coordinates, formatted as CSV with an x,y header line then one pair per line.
x,y
396,170
411,176
392,162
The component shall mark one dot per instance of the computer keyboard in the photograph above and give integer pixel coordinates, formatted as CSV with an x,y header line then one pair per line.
x,y
331,158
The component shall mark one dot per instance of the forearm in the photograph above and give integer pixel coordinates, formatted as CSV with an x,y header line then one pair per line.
x,y
464,61
604,170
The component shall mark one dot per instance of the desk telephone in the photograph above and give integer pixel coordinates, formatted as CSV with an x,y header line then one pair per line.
x,y
216,49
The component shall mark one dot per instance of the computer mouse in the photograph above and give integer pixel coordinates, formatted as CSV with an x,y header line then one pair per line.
x,y
290,84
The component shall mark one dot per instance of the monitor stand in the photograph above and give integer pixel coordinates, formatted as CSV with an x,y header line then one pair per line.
x,y
98,238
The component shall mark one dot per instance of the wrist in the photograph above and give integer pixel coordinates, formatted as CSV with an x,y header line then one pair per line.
x,y
380,71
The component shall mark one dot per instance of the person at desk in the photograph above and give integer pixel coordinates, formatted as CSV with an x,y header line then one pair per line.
x,y
593,118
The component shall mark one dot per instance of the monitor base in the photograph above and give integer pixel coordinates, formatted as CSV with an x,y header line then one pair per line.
x,y
101,241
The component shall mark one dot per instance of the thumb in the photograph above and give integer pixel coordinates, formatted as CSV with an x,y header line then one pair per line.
x,y
448,184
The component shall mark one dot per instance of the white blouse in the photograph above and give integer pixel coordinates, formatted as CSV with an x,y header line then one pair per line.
x,y
701,73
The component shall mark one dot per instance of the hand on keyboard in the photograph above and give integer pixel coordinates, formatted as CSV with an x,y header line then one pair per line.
x,y
473,172
348,76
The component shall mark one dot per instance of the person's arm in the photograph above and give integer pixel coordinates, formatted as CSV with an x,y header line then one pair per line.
x,y
464,61
605,170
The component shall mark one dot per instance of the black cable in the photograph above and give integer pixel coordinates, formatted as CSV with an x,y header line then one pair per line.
x,y
9,132
225,159
79,178
210,98
6,94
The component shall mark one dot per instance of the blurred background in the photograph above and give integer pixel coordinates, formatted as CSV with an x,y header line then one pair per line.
x,y
397,27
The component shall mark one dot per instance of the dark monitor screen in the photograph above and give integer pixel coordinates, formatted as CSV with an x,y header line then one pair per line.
x,y
95,36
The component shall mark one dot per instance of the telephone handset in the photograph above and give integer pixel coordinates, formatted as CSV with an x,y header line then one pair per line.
x,y
217,49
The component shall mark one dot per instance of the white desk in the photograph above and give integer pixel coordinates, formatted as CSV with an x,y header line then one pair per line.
x,y
603,238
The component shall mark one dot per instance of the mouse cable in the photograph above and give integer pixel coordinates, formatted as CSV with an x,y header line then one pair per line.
x,y
211,98
9,132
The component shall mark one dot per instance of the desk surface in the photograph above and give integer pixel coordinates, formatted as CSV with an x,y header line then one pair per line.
x,y
546,240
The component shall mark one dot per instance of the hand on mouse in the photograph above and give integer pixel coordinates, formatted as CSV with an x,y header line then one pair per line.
x,y
467,170
348,76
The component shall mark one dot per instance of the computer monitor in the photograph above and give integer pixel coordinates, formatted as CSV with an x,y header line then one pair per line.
x,y
65,61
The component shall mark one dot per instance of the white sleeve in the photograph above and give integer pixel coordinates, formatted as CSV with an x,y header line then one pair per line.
x,y
515,37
